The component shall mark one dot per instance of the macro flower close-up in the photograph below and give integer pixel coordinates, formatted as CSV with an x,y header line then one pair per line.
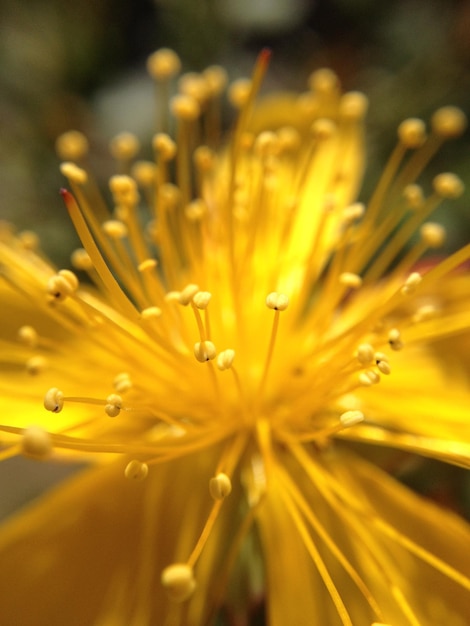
x,y
235,354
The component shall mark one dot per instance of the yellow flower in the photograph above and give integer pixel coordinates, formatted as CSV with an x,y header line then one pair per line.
x,y
235,338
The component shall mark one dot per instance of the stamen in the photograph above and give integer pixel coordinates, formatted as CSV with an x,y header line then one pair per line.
x,y
204,351
36,364
74,173
54,400
220,486
411,283
163,64
382,363
178,580
62,285
113,405
448,185
36,443
432,234
122,382
351,418
394,339
412,133
350,280
136,470
28,336
71,146
124,147
369,378
225,359
449,122
365,353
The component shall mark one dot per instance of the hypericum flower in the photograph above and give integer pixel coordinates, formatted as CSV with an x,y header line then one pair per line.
x,y
245,319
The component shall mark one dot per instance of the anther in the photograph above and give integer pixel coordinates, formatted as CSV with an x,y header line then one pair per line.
x,y
113,405
186,295
114,229
164,145
220,486
81,260
36,443
449,122
353,212
382,363
122,382
394,339
28,336
147,265
448,185
124,189
124,146
425,312
71,146
194,85
144,173
216,78
414,196
350,280
351,418
412,133
151,313
365,353
204,158
289,139
74,173
185,108
369,378
277,301
266,144
201,299
433,234
62,285
411,283
204,351
29,240
54,400
353,106
239,92
163,64
323,129
196,210
36,364
225,359
323,80
136,470
178,580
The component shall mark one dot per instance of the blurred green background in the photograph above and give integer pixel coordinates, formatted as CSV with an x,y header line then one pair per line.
x,y
82,65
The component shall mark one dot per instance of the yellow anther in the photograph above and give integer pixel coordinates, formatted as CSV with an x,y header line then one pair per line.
x,y
163,64
216,78
36,443
187,294
220,486
353,106
448,185
412,133
54,400
277,301
136,470
351,418
239,92
164,145
113,405
414,196
124,189
369,378
178,580
425,312
449,122
151,313
147,265
29,240
411,283
225,359
289,139
122,382
124,146
74,173
323,129
71,146
169,195
266,144
185,107
144,173
204,159
350,280
382,363
394,339
62,285
114,229
81,260
204,351
433,234
36,364
196,210
194,85
323,80
28,336
365,353
201,299
353,212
